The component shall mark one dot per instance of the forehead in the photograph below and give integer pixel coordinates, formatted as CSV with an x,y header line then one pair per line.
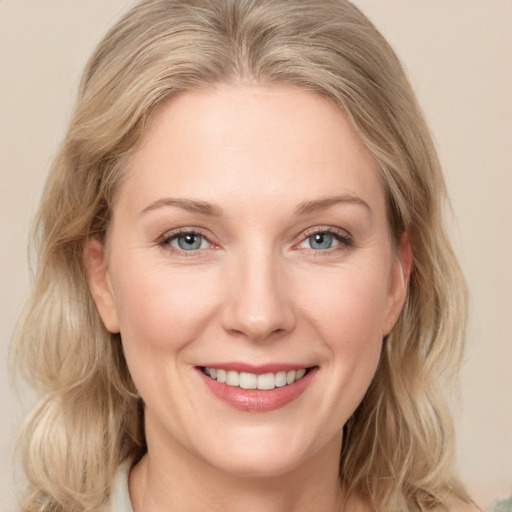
x,y
246,141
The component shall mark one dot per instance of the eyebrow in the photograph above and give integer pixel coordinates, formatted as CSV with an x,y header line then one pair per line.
x,y
327,202
214,210
190,205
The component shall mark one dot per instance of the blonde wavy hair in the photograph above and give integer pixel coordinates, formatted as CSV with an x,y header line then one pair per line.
x,y
398,446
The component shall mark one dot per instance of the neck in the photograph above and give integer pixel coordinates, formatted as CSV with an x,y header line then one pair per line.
x,y
171,478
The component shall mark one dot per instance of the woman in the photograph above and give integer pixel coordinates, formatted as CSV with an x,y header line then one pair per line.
x,y
245,297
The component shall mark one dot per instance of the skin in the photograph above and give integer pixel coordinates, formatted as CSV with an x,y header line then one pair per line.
x,y
279,164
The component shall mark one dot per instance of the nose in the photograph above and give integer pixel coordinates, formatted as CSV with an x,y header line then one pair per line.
x,y
259,305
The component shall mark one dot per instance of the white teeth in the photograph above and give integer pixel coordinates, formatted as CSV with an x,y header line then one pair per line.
x,y
246,380
266,381
233,378
280,379
300,373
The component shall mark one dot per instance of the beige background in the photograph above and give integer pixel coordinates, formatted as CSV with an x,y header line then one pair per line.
x,y
458,55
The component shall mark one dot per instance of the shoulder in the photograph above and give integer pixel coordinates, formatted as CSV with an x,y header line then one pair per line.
x,y
500,506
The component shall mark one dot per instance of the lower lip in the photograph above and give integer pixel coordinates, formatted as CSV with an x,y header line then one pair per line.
x,y
256,400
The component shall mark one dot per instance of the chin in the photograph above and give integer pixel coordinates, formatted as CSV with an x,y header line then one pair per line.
x,y
263,454
259,467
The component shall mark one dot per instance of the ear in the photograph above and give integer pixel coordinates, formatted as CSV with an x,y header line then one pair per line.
x,y
99,283
399,280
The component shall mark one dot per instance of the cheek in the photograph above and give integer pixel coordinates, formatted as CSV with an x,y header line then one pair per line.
x,y
347,313
346,303
163,309
161,313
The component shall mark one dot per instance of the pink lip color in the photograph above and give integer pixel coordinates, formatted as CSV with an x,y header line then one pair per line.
x,y
255,400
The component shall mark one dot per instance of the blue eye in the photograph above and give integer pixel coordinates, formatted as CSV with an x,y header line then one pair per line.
x,y
188,242
322,241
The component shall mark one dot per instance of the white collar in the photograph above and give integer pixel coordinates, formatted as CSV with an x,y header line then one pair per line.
x,y
120,498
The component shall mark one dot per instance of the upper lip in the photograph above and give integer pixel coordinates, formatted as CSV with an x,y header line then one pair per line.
x,y
253,368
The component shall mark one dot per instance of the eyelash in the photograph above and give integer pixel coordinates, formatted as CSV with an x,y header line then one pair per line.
x,y
345,240
167,238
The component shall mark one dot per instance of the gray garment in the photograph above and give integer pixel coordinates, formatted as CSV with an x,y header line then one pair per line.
x,y
500,506
120,501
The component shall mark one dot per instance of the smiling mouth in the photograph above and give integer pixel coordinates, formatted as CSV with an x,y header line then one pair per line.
x,y
247,380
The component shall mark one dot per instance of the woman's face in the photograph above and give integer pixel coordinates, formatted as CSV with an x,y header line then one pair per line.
x,y
249,244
